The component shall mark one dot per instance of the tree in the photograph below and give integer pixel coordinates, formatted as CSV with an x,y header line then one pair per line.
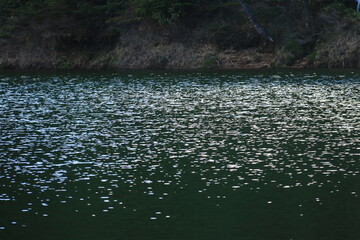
x,y
253,22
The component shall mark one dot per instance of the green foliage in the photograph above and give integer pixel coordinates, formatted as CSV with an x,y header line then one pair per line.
x,y
289,53
89,15
343,9
163,11
210,61
214,6
312,57
293,47
65,65
228,36
96,12
294,52
86,21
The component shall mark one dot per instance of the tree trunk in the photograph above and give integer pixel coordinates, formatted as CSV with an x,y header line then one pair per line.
x,y
253,22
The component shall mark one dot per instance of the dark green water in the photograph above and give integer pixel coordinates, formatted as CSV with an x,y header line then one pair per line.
x,y
180,156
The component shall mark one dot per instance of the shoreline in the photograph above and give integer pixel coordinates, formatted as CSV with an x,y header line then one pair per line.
x,y
183,70
223,39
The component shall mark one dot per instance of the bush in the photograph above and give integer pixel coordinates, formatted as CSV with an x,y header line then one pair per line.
x,y
163,11
210,61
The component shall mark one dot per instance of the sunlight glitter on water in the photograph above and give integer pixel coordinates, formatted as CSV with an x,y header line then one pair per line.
x,y
115,144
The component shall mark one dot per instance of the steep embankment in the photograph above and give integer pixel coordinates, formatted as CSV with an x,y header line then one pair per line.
x,y
138,48
328,38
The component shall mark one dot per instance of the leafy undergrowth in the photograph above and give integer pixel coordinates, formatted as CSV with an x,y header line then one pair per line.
x,y
176,33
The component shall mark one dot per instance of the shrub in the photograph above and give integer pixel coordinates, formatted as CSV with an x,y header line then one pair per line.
x,y
210,61
163,11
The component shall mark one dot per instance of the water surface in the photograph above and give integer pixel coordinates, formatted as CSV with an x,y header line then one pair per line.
x,y
199,155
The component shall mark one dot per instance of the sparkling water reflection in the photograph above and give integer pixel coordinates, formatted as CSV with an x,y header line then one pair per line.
x,y
179,156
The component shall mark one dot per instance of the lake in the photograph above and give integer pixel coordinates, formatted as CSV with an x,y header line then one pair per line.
x,y
161,155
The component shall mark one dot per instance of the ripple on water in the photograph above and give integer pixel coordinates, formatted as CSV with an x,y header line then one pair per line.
x,y
102,144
